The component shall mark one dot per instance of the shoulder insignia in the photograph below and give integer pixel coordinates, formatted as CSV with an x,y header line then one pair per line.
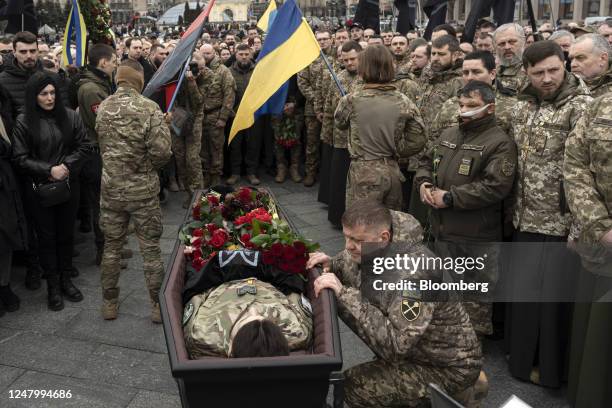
x,y
411,309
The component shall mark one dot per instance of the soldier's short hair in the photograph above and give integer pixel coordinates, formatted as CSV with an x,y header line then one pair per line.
x,y
600,44
483,89
25,37
242,47
129,41
342,30
323,31
561,34
98,52
539,51
488,60
132,64
155,47
446,27
416,43
376,65
367,213
350,46
259,338
446,40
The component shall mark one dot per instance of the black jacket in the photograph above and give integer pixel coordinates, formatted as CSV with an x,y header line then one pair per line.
x,y
14,79
34,155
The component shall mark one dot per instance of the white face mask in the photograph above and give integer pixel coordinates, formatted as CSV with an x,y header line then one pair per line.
x,y
471,114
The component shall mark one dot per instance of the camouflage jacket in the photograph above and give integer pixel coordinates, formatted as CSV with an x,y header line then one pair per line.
x,y
220,92
307,83
323,80
505,101
383,123
601,85
94,87
350,83
512,76
193,93
326,103
476,162
134,143
540,129
212,319
436,89
588,170
402,65
437,334
411,88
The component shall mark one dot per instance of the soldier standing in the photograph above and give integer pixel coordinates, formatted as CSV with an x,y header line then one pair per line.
x,y
590,55
588,170
464,178
218,106
416,341
134,143
399,48
384,127
509,44
547,112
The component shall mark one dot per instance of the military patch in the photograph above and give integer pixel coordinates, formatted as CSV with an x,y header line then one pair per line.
x,y
243,290
465,167
507,168
411,309
187,313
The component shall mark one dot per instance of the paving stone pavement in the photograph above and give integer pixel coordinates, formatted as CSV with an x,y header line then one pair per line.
x,y
123,363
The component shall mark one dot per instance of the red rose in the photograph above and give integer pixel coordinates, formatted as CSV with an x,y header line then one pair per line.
x,y
299,247
296,268
196,212
244,195
198,263
197,242
198,232
289,253
212,200
301,261
246,240
277,249
211,256
268,258
197,253
284,266
219,238
211,228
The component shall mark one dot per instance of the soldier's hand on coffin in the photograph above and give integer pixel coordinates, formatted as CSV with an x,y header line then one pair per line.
x,y
327,281
606,240
319,258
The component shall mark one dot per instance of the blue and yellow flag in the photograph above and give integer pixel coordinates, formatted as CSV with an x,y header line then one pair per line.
x,y
289,47
267,19
75,25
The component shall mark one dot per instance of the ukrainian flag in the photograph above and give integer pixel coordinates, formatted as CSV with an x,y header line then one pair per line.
x,y
75,25
290,46
266,20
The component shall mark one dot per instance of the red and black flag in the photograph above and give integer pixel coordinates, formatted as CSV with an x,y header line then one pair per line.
x,y
172,66
436,11
20,15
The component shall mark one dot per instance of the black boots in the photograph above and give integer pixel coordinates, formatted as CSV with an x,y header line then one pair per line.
x,y
8,298
69,290
55,301
33,276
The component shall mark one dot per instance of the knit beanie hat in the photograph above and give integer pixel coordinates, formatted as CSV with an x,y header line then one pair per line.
x,y
130,74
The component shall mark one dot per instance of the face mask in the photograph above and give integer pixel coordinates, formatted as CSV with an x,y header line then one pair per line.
x,y
473,113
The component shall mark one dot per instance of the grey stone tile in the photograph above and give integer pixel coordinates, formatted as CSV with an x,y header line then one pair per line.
x,y
150,399
8,375
34,315
43,352
129,367
84,393
126,331
136,303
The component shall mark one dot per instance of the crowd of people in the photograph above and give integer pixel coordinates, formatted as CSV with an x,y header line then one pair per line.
x,y
503,138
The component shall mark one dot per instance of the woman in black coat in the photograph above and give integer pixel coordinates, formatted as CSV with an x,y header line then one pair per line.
x,y
13,227
50,146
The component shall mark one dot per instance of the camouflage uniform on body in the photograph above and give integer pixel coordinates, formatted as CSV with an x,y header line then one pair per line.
x,y
437,89
385,126
210,318
415,341
187,147
134,143
324,104
406,85
588,170
307,83
540,129
218,104
601,85
512,76
350,83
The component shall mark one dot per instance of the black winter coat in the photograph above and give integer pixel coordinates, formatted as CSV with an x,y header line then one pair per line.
x,y
34,155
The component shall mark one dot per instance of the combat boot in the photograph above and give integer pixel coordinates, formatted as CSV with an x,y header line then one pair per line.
x,y
110,309
253,179
281,173
295,173
215,181
33,277
233,179
155,313
69,290
55,301
9,298
309,180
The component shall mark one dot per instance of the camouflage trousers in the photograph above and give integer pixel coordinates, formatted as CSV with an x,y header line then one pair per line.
x,y
313,142
379,383
211,151
115,216
187,155
379,180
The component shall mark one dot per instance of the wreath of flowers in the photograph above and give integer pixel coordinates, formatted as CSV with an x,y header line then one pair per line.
x,y
98,20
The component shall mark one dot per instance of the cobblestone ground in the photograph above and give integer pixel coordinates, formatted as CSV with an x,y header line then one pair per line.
x,y
123,363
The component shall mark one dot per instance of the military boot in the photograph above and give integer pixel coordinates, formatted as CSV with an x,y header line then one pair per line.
x,y
309,180
69,290
55,301
295,173
295,164
110,303
233,179
155,313
9,298
215,181
33,277
281,173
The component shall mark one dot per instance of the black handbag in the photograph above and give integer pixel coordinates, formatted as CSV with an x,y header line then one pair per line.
x,y
53,193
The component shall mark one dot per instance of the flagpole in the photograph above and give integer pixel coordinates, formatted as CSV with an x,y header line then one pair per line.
x,y
333,74
178,85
